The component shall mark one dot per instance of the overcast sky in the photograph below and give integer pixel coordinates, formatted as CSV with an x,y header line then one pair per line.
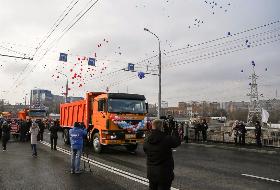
x,y
188,74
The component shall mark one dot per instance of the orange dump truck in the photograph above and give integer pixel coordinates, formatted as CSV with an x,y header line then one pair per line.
x,y
111,119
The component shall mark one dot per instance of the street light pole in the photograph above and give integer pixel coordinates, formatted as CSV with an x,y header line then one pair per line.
x,y
66,87
159,73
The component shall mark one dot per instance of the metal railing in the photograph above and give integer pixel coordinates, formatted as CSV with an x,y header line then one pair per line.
x,y
269,138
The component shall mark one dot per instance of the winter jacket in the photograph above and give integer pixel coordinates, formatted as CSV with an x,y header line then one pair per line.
x,y
54,129
6,131
77,137
34,130
158,148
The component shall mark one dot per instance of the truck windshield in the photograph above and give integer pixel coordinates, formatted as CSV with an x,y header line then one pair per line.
x,y
126,106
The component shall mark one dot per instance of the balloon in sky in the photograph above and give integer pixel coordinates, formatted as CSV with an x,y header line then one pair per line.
x,y
141,75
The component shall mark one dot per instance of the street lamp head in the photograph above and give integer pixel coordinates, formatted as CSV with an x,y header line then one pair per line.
x,y
146,29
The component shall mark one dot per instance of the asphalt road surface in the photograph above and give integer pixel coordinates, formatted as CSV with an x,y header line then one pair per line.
x,y
196,167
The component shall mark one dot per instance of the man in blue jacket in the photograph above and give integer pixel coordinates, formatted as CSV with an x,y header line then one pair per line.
x,y
77,135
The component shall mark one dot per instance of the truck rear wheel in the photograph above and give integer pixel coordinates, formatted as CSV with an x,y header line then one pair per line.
x,y
131,147
97,146
66,137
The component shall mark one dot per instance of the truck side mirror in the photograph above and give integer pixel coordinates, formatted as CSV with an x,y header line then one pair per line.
x,y
147,107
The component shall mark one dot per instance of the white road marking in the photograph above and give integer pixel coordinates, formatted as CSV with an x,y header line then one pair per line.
x,y
114,170
263,178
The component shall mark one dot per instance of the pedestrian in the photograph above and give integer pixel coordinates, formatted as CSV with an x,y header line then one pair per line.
x,y
1,122
5,134
34,131
204,127
186,131
41,129
160,164
235,130
54,127
242,133
258,133
27,128
77,134
197,129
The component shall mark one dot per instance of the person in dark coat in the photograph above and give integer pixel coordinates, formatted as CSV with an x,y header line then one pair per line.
x,y
22,130
242,133
160,164
41,131
197,129
1,122
26,130
54,127
5,135
258,133
204,127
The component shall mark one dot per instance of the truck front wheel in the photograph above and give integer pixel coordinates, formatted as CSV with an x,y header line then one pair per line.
x,y
97,146
66,137
131,147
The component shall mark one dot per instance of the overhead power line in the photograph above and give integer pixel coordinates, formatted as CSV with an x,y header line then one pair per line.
x,y
214,40
56,24
17,57
66,29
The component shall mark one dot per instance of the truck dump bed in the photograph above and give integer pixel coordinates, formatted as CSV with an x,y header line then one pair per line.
x,y
73,112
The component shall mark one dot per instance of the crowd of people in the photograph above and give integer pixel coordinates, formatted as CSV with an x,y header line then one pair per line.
x,y
165,135
200,126
28,130
239,132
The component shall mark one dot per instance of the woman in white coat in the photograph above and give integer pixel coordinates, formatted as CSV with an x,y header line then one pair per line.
x,y
34,130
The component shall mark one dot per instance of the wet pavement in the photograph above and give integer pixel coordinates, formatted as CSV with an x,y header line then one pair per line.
x,y
197,166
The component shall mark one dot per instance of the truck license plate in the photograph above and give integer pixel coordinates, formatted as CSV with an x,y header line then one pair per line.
x,y
130,136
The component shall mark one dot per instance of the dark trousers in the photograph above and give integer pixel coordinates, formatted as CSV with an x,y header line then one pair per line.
x,y
204,135
196,135
242,139
34,149
4,142
40,136
53,142
160,186
258,141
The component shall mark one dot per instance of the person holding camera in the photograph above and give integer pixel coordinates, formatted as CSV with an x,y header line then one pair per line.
x,y
77,134
160,164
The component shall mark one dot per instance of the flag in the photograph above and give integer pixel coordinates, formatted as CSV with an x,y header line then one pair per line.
x,y
265,116
63,57
130,67
91,61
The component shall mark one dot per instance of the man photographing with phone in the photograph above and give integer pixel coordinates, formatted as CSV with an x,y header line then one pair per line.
x,y
160,164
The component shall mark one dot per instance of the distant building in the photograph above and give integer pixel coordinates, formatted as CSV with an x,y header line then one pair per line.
x,y
40,97
45,99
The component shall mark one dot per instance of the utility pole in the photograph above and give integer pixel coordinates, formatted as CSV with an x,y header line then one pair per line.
x,y
159,73
255,111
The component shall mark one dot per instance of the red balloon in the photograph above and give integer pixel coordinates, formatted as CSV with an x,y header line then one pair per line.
x,y
71,70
